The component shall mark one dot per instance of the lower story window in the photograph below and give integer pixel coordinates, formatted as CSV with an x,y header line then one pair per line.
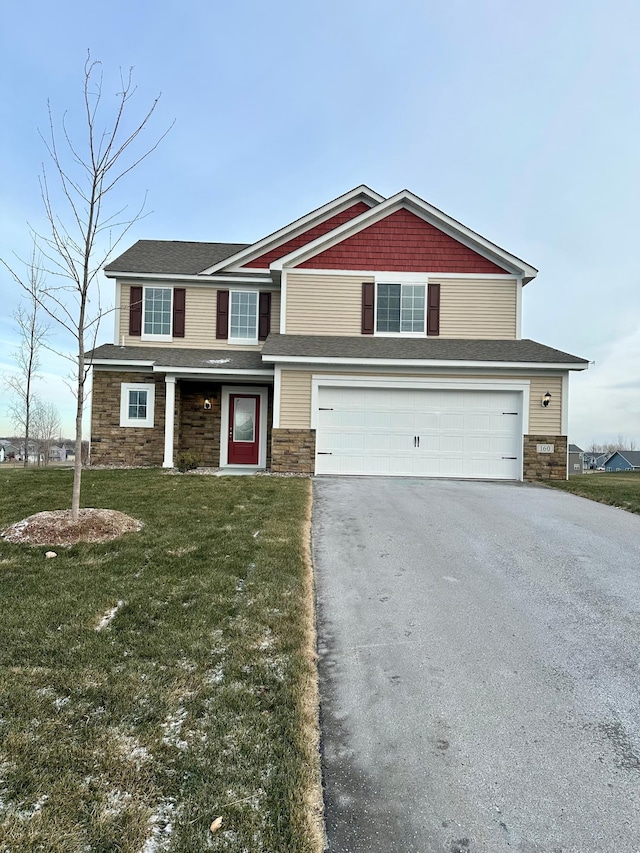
x,y
136,404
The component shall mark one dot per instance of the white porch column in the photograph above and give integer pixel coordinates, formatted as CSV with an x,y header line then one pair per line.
x,y
169,420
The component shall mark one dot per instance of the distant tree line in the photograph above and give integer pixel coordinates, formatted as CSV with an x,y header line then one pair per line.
x,y
622,443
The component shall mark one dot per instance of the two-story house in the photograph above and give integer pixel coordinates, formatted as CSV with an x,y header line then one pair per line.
x,y
371,336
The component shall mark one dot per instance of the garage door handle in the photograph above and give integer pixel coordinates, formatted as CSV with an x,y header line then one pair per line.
x,y
324,409
416,441
325,453
509,457
509,413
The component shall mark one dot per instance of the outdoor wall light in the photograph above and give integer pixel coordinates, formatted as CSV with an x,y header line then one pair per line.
x,y
207,404
546,399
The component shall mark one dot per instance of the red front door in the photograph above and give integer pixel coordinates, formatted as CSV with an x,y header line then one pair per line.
x,y
244,429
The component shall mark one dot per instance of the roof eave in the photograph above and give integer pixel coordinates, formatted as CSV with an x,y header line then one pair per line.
x,y
424,362
407,199
297,226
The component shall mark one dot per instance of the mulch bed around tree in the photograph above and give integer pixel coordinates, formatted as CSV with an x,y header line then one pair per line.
x,y
56,527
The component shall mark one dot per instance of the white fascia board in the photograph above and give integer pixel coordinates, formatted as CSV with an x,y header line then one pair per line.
x,y
261,277
297,226
408,362
440,220
437,276
119,362
210,371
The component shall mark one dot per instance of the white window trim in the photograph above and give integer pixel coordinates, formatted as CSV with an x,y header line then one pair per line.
x,y
144,335
401,278
249,342
125,420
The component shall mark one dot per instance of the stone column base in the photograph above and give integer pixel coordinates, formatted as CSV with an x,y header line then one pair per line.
x,y
293,450
545,466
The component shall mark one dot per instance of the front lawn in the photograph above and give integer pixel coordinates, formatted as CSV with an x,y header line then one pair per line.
x,y
151,684
618,489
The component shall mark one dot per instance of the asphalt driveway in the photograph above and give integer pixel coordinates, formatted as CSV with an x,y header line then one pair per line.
x,y
479,668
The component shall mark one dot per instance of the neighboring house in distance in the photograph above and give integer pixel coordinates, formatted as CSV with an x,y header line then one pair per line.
x,y
372,336
623,460
576,459
8,451
593,461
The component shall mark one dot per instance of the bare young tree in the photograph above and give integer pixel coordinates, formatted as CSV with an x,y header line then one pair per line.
x,y
33,334
46,427
84,221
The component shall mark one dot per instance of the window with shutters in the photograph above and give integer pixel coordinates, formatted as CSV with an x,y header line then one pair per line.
x,y
157,313
400,307
243,317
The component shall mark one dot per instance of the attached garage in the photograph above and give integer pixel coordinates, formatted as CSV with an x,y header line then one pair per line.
x,y
417,431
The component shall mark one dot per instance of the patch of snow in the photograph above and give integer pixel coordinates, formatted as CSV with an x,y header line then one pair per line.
x,y
27,814
115,803
215,676
173,728
109,616
161,827
61,702
218,360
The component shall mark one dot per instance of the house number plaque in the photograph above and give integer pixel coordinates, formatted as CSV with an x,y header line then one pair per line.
x,y
545,448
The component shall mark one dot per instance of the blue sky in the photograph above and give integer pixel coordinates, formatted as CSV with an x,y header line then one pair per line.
x,y
520,120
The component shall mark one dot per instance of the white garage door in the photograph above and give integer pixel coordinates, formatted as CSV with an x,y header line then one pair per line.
x,y
420,433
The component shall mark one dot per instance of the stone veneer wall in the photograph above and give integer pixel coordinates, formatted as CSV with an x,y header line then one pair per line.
x,y
112,444
293,450
545,466
199,430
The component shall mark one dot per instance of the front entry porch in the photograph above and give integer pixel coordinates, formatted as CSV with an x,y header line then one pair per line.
x,y
226,426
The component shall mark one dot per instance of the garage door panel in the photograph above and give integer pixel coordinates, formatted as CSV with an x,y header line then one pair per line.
x,y
462,433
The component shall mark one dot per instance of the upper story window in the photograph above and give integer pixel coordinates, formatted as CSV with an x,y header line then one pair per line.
x,y
400,308
243,317
157,312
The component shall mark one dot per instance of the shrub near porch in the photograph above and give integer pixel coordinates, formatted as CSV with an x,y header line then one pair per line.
x,y
156,682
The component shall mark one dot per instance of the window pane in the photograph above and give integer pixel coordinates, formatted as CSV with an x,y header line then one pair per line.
x,y
137,405
244,415
157,310
412,315
244,316
388,313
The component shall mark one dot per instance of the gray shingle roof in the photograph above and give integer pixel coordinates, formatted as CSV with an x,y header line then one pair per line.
x,y
207,359
447,349
632,457
179,257
573,448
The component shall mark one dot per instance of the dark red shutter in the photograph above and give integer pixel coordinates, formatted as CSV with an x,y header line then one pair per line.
x,y
222,317
433,309
135,311
178,311
264,316
368,307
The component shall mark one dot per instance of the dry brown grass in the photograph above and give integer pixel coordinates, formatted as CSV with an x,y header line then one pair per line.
x,y
56,527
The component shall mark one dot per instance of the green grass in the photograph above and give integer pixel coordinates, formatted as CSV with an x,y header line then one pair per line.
x,y
616,489
197,700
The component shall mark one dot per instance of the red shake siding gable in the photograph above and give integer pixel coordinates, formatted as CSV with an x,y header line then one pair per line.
x,y
402,242
302,239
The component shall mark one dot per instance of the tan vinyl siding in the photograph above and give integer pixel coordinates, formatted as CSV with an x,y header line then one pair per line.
x,y
332,305
295,397
200,320
545,421
477,308
324,305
